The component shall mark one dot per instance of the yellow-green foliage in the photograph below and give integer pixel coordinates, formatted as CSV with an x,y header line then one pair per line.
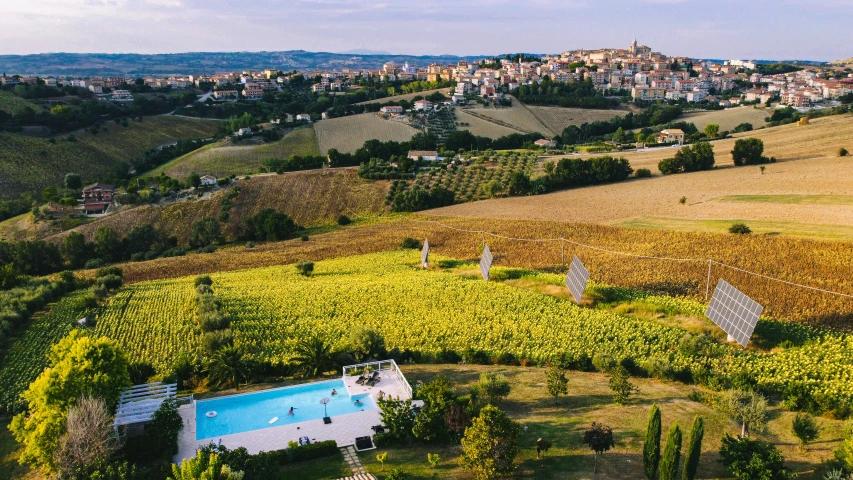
x,y
428,312
29,163
222,161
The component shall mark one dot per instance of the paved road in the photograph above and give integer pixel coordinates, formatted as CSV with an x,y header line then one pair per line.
x,y
204,97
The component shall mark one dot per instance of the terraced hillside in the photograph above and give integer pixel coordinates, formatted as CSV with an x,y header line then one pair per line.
x,y
28,163
311,198
224,159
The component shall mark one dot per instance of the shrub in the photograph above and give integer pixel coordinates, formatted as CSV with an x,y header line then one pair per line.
x,y
203,280
682,200
344,220
207,249
743,127
213,341
410,243
94,263
213,321
302,453
842,152
750,459
305,268
643,173
805,428
304,238
740,229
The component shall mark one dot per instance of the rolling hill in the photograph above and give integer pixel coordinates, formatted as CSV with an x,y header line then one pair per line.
x,y
310,198
803,194
223,159
349,133
28,163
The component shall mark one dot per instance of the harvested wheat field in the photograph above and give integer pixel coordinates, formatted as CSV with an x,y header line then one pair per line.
x,y
728,119
558,118
807,165
480,127
349,133
518,116
408,96
223,159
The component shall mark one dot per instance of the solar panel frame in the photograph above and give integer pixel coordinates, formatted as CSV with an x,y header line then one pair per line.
x,y
425,254
732,311
577,278
486,262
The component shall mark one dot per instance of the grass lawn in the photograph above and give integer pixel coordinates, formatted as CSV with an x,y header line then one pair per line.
x,y
590,400
320,469
791,199
9,452
759,227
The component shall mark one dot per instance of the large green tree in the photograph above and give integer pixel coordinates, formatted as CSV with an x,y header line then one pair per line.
x,y
108,244
79,365
205,232
749,151
490,444
651,447
75,250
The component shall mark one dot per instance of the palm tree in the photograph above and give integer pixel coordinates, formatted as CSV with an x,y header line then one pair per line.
x,y
312,357
227,367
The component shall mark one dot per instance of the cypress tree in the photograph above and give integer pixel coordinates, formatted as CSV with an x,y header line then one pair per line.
x,y
671,454
694,449
651,447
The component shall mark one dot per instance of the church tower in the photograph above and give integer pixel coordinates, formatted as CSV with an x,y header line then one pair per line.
x,y
633,48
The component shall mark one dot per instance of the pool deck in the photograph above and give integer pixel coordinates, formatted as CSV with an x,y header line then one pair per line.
x,y
344,428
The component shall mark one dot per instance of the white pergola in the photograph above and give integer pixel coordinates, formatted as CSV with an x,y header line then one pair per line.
x,y
138,403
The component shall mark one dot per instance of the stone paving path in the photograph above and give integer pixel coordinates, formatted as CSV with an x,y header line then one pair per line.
x,y
358,470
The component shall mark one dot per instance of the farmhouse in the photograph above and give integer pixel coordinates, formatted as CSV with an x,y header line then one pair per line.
x,y
303,117
392,109
208,181
672,135
422,105
429,155
545,143
97,197
253,93
226,95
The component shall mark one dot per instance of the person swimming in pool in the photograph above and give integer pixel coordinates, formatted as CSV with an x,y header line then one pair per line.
x,y
334,392
291,412
357,402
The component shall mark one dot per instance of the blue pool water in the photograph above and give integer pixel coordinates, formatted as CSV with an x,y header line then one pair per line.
x,y
254,411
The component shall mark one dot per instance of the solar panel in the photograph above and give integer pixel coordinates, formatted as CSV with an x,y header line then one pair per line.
x,y
576,279
734,312
486,262
425,254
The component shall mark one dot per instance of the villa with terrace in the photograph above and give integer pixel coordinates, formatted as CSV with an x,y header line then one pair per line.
x,y
342,410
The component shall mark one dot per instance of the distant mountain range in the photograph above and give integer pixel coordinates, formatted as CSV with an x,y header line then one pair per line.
x,y
131,64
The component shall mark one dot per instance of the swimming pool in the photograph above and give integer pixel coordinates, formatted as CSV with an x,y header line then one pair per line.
x,y
266,409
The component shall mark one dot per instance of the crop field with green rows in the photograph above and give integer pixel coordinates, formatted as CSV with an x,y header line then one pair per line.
x,y
428,312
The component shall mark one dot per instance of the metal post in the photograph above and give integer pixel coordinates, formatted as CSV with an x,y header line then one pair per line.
x,y
562,252
708,282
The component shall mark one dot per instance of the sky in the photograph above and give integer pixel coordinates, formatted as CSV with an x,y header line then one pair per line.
x,y
748,29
